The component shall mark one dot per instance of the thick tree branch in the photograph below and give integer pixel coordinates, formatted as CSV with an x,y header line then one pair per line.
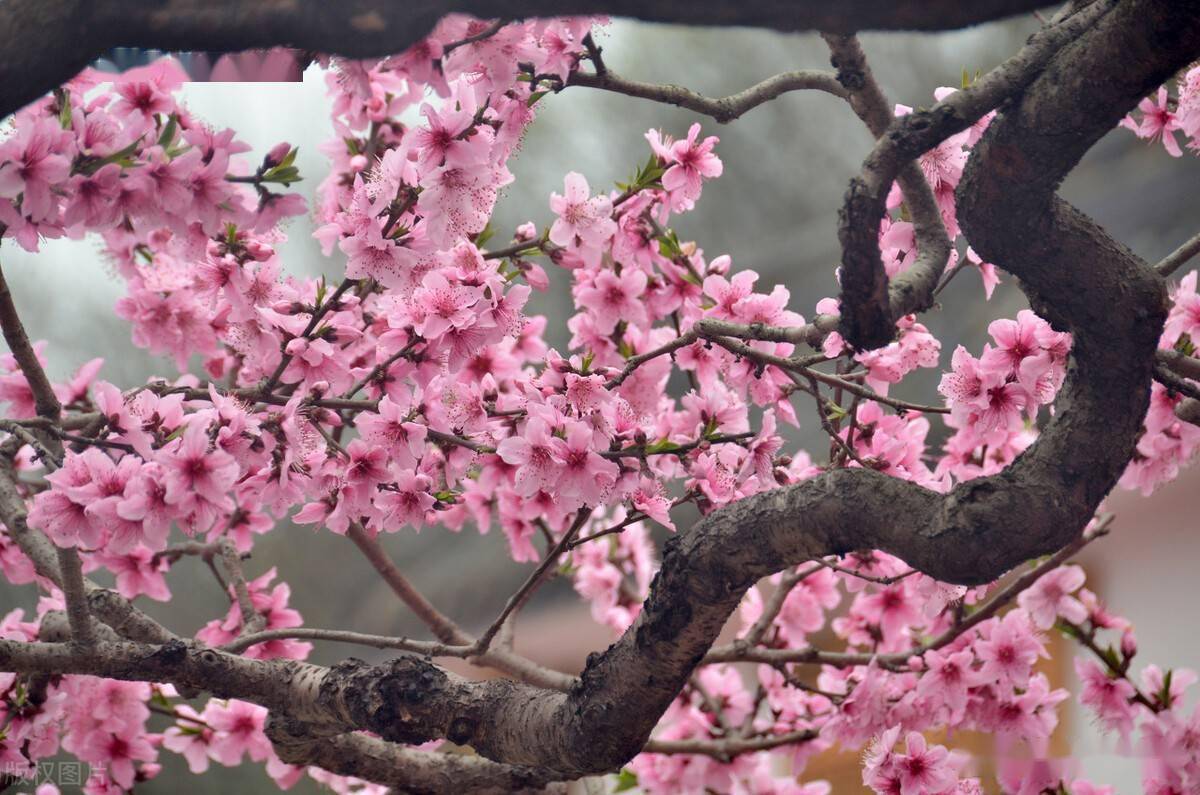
x,y
408,770
44,43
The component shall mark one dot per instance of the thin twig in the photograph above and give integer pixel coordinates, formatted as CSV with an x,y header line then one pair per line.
x,y
318,313
721,109
735,652
518,599
252,620
1179,257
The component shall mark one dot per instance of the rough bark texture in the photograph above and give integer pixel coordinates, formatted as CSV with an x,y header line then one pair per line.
x,y
1075,275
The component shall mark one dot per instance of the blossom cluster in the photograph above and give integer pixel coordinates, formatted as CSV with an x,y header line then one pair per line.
x,y
419,391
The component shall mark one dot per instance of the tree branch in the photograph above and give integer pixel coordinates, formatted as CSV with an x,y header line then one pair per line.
x,y
1179,257
870,306
445,629
70,578
43,43
722,109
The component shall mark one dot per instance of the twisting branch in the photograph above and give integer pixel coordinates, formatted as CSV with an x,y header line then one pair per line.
x,y
870,306
1074,274
867,320
721,109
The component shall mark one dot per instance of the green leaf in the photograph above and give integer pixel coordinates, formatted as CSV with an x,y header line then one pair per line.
x,y
626,780
168,133
122,157
284,175
1164,695
662,446
1185,345
289,158
487,234
534,97
64,108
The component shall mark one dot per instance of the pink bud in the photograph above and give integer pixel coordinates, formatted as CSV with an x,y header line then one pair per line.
x,y
277,154
535,275
259,250
1128,644
358,163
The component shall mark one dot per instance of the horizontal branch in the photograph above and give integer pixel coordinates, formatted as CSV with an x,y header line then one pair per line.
x,y
722,109
44,43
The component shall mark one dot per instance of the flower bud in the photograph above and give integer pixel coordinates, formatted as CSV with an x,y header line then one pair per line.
x,y
259,251
277,154
1128,644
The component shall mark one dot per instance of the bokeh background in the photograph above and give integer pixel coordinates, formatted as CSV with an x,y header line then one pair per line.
x,y
786,166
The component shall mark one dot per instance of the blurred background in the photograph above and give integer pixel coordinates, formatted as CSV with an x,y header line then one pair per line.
x,y
775,210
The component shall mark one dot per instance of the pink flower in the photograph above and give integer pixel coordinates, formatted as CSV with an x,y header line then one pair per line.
x,y
237,728
924,769
1158,121
1009,651
146,90
406,503
582,220
190,737
728,293
391,430
948,678
612,297
691,161
536,454
584,474
32,162
195,474
1050,597
1111,698
441,306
